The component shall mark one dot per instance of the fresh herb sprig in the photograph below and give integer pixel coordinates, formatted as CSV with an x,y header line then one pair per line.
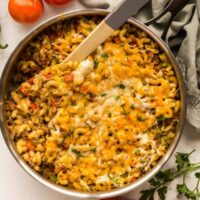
x,y
160,181
77,153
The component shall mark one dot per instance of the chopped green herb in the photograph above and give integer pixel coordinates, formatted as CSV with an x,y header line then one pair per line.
x,y
137,152
140,118
117,97
143,160
114,179
160,135
109,115
96,64
161,119
124,110
104,55
78,153
84,19
197,175
121,86
93,150
164,64
103,95
124,175
132,107
127,113
53,178
90,29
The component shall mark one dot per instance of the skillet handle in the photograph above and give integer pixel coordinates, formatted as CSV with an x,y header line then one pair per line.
x,y
174,7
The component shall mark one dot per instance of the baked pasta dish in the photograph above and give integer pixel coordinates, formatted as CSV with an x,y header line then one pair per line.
x,y
98,124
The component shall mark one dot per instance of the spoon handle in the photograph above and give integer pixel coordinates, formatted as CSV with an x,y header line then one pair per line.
x,y
105,29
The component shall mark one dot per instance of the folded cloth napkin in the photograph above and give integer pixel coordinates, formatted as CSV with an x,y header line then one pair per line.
x,y
183,38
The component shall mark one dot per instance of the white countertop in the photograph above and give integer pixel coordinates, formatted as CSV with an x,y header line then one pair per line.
x,y
15,184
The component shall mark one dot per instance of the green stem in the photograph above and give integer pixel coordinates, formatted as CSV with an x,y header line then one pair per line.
x,y
192,168
183,172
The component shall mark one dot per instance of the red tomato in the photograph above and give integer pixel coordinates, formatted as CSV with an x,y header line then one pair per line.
x,y
31,81
68,78
25,10
33,106
30,145
57,2
24,90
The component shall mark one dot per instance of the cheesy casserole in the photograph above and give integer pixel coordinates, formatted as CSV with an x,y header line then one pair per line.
x,y
99,124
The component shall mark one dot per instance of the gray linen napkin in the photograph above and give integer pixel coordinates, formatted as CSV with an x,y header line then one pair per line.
x,y
184,35
184,40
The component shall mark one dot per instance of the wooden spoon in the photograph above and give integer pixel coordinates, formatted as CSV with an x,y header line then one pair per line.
x,y
105,29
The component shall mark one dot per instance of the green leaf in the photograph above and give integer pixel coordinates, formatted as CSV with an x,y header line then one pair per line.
x,y
93,150
161,119
124,110
162,191
132,107
140,118
164,64
160,134
90,29
53,178
165,176
96,64
137,152
114,179
103,95
147,194
121,86
78,153
124,175
182,160
184,190
197,175
104,55
117,97
154,182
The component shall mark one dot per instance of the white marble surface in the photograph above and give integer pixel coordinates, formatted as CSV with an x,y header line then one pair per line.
x,y
15,184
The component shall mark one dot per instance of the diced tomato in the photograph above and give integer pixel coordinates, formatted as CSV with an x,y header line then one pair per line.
x,y
30,145
44,62
24,90
37,70
149,53
52,36
68,78
54,102
31,81
59,34
34,106
26,56
48,76
84,89
11,106
117,39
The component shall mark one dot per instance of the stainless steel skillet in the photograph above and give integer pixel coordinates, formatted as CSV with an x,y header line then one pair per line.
x,y
6,86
